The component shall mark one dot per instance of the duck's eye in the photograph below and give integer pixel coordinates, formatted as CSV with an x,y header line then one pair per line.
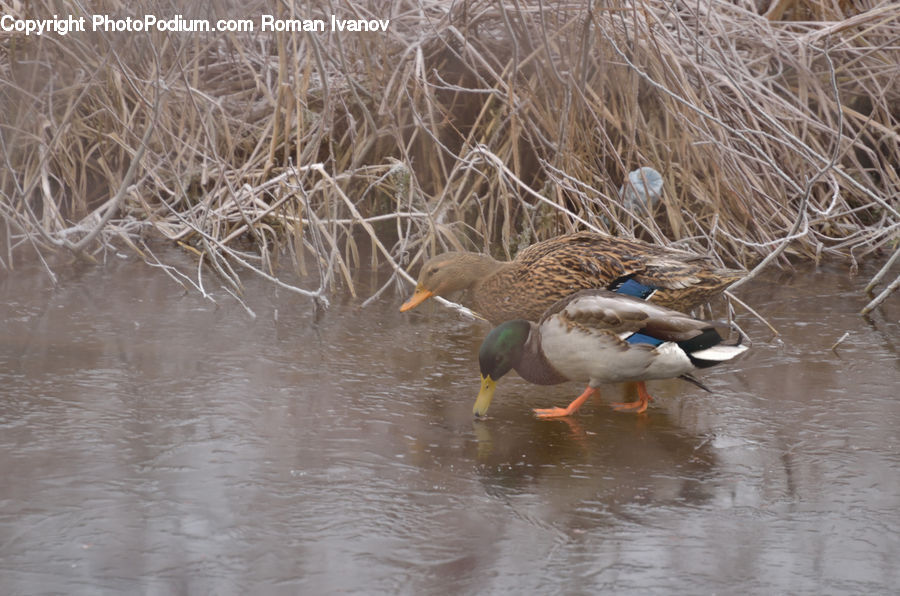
x,y
433,271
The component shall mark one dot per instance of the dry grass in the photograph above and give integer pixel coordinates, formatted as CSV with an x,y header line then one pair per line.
x,y
486,128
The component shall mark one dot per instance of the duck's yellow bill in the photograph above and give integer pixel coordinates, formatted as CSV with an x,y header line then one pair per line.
x,y
484,396
418,298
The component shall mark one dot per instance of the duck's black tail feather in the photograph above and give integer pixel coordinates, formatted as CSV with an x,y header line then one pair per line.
x,y
696,382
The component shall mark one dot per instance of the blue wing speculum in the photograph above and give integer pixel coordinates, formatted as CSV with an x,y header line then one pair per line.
x,y
629,287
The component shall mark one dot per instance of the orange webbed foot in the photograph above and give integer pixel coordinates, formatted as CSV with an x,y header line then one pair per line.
x,y
551,412
568,410
640,405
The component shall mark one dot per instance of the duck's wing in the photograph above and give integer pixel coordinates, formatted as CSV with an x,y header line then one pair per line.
x,y
602,311
619,319
676,274
603,259
682,286
560,266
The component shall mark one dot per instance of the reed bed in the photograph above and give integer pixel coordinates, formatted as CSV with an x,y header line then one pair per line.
x,y
474,125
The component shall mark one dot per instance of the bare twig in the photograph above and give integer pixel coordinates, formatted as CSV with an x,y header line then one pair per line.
x,y
881,297
839,341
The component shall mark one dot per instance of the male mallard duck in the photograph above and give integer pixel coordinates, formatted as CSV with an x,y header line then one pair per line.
x,y
550,270
600,337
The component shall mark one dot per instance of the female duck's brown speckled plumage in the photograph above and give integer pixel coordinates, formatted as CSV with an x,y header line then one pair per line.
x,y
550,270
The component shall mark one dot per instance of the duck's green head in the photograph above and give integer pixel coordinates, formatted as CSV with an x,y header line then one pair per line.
x,y
500,351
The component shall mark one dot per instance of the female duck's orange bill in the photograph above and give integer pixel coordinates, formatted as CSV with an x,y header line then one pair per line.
x,y
418,298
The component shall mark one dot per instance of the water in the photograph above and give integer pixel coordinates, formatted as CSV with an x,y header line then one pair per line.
x,y
154,442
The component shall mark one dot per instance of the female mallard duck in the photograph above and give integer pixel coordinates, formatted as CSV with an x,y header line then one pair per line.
x,y
600,337
550,270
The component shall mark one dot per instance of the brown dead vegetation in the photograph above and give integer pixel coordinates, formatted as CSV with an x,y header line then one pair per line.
x,y
487,127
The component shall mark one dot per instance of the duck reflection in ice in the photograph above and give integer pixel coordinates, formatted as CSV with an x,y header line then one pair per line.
x,y
599,464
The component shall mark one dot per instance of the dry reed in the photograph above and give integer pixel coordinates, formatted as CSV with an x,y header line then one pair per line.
x,y
486,126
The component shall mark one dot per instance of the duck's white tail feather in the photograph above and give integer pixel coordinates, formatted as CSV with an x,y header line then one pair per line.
x,y
719,353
